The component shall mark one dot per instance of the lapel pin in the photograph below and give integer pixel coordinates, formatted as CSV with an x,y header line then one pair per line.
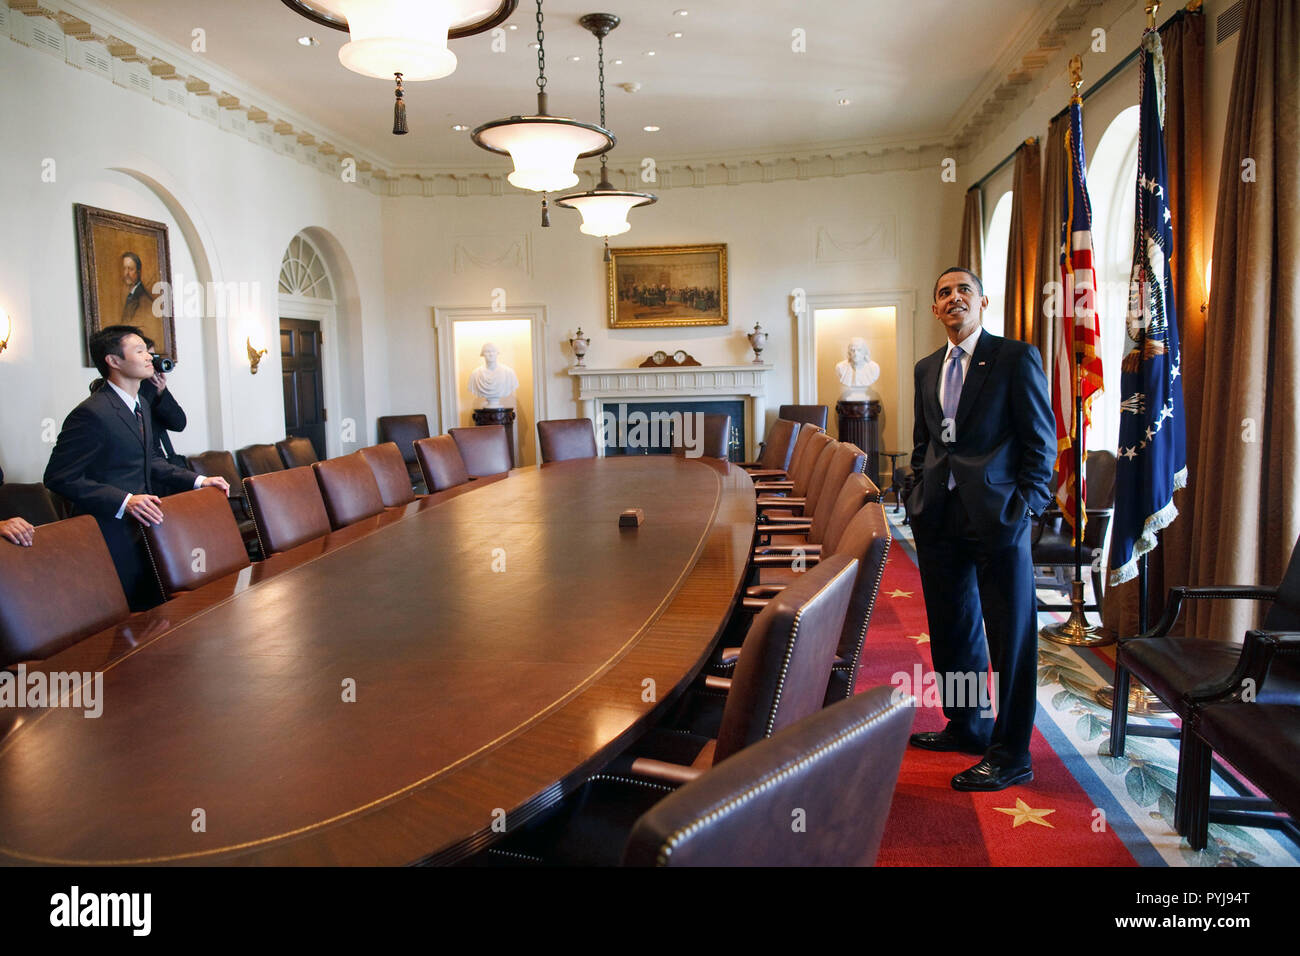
x,y
982,363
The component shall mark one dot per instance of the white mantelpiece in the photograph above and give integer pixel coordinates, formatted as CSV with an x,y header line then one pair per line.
x,y
598,387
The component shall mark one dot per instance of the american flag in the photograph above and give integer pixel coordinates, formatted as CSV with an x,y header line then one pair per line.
x,y
1152,457
1080,326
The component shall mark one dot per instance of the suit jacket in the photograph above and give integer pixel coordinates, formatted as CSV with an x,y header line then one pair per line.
x,y
1000,448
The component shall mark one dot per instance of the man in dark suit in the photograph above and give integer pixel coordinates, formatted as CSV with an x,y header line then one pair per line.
x,y
984,443
105,464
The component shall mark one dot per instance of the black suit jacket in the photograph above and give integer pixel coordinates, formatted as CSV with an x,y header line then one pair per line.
x,y
1000,447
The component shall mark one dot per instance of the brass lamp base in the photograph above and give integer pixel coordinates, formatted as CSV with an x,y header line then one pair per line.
x,y
1076,631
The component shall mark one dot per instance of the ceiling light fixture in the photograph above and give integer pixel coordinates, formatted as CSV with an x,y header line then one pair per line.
x,y
460,127
604,209
308,41
651,129
543,147
676,34
681,13
404,39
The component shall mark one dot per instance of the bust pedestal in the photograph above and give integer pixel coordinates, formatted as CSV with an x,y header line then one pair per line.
x,y
499,416
860,423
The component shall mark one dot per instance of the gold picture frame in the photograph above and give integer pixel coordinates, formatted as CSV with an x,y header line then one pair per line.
x,y
667,286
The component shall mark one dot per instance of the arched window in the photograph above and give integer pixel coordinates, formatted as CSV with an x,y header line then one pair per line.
x,y
996,242
302,271
1112,180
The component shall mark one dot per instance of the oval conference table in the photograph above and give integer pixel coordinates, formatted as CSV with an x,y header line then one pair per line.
x,y
502,645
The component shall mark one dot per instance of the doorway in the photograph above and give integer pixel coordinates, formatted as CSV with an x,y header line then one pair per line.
x,y
304,386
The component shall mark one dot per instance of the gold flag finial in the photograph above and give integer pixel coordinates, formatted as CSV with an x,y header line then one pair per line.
x,y
1151,14
1076,72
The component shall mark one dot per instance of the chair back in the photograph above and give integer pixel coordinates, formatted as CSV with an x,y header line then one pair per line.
x,y
803,445
258,460
1284,615
288,509
802,474
403,431
222,463
390,473
839,766
830,521
866,538
31,502
817,474
1100,472
847,459
485,449
198,542
349,488
440,463
782,675
712,436
778,446
806,414
61,589
296,452
566,438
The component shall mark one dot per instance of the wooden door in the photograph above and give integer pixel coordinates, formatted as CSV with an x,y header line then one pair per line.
x,y
304,382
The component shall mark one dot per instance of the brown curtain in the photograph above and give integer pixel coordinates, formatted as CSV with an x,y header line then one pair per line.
x,y
1183,40
971,253
1022,297
1051,219
1247,503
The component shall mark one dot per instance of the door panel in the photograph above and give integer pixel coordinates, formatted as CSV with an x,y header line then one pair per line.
x,y
304,392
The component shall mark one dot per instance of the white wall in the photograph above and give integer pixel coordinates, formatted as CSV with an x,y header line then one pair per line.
x,y
231,208
770,232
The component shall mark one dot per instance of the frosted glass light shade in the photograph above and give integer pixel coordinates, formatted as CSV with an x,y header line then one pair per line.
x,y
544,149
603,216
398,36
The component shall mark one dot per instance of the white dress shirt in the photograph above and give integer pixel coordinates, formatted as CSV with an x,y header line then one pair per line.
x,y
132,402
968,349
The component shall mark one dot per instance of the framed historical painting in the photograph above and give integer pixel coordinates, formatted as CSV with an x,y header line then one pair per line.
x,y
661,286
126,275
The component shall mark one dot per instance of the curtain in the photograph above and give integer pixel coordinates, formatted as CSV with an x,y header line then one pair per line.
x,y
1051,218
1183,40
1247,502
1023,299
971,253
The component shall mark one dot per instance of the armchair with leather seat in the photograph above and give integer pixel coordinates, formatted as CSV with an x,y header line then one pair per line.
x,y
485,449
1053,541
1187,673
31,502
440,463
837,461
297,452
838,766
803,449
390,473
805,414
349,488
712,437
198,519
777,448
565,439
404,431
258,460
219,462
288,509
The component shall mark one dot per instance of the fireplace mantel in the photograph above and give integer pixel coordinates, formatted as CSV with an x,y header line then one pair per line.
x,y
598,387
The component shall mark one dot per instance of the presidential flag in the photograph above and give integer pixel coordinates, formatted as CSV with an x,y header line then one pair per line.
x,y
1080,333
1152,457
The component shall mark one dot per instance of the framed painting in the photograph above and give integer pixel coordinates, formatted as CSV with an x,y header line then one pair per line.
x,y
664,286
126,275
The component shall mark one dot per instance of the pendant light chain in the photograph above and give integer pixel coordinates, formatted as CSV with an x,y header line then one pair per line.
x,y
541,52
600,59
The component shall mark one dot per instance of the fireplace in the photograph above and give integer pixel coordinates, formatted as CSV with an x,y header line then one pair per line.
x,y
647,428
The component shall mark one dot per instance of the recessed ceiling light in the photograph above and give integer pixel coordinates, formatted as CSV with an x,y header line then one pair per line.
x,y
618,62
460,127
651,129
681,13
533,45
649,52
574,59
308,41
676,35
513,26
845,102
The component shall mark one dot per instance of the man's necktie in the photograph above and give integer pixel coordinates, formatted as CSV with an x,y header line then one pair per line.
x,y
952,398
139,420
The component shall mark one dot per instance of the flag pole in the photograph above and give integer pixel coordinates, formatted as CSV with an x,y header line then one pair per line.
x,y
1075,630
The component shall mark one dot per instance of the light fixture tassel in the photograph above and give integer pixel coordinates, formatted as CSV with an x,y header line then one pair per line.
x,y
399,110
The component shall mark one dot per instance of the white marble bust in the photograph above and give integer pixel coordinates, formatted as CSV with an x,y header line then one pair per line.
x,y
857,373
492,381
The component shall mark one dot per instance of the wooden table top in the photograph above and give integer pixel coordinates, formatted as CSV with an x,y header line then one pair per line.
x,y
501,644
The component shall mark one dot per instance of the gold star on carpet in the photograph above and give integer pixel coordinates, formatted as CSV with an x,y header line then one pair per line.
x,y
897,593
1024,813
920,639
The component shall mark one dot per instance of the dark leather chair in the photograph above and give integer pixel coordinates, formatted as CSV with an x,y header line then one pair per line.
x,y
349,488
1262,742
288,509
1053,544
778,447
197,542
440,463
58,591
802,467
258,460
802,444
1187,673
838,460
563,439
390,473
404,431
484,449
838,766
711,436
297,452
223,463
805,414
31,502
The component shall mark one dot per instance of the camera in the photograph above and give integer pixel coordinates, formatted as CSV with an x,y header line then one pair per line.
x,y
162,363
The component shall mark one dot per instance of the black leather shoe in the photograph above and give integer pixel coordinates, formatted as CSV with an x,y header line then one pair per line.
x,y
945,741
988,775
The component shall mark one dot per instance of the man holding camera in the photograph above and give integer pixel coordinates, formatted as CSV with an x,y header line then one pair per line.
x,y
105,463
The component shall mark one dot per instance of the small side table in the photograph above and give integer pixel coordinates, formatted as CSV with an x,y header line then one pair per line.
x,y
894,486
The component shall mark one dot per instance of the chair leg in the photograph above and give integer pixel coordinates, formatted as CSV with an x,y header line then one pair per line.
x,y
1185,784
1198,787
1119,711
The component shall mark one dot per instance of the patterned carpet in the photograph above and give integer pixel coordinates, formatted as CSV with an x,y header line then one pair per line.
x,y
1083,808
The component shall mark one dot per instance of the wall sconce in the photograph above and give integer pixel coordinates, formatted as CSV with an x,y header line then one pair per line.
x,y
6,326
254,355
